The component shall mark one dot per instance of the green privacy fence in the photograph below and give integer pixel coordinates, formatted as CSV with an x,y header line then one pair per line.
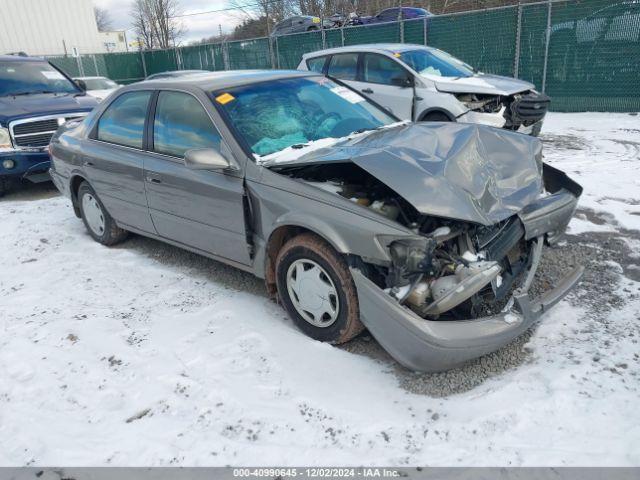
x,y
584,53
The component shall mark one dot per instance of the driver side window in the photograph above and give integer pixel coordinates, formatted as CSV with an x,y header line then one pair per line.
x,y
380,69
181,124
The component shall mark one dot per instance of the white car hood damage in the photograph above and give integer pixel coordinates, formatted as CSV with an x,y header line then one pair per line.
x,y
462,171
482,83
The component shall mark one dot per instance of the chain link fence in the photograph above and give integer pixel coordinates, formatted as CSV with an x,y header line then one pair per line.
x,y
584,53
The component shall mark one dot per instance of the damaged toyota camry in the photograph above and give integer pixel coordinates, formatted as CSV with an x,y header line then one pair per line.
x,y
428,235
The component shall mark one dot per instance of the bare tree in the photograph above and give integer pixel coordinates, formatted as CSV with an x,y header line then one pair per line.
x,y
169,27
157,22
143,24
103,19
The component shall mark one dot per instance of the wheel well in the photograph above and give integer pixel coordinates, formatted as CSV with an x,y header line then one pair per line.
x,y
436,110
74,185
276,240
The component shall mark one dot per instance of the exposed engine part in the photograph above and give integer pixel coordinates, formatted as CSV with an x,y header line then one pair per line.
x,y
353,183
445,293
481,103
410,259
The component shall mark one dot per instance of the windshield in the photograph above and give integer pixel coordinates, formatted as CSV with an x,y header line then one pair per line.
x,y
437,63
274,115
23,78
99,83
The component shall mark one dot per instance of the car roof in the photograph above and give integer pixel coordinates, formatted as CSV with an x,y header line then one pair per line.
x,y
88,78
176,73
225,78
372,47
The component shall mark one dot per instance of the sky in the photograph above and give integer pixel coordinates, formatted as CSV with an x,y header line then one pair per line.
x,y
197,27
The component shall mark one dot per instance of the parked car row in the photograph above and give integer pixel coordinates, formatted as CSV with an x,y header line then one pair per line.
x,y
429,234
309,23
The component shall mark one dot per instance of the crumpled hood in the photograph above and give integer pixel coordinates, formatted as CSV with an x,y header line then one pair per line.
x,y
462,171
482,83
23,106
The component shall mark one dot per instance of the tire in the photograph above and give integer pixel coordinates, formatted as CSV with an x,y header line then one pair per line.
x,y
436,117
323,269
96,219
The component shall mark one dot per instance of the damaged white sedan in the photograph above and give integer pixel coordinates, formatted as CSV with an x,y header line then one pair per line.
x,y
429,235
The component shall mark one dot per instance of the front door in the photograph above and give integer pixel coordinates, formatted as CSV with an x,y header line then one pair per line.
x,y
386,82
198,208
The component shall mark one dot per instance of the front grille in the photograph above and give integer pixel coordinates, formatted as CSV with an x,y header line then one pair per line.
x,y
37,132
36,127
530,108
36,140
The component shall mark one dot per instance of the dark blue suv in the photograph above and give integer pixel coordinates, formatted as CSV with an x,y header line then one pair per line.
x,y
35,99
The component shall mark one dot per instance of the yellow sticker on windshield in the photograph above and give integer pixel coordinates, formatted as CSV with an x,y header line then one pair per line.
x,y
397,54
224,98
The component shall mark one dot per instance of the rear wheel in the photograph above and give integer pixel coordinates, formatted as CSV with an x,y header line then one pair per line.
x,y
436,117
317,290
96,219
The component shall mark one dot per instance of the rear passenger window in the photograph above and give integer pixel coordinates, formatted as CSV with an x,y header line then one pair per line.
x,y
344,66
316,64
181,123
122,122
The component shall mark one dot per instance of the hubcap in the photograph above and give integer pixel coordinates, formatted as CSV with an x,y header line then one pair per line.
x,y
312,293
93,214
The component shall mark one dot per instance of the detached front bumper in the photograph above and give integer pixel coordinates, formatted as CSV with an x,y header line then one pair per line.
x,y
498,120
31,166
430,345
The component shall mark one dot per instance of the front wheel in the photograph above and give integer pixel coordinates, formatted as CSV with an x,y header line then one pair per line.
x,y
98,222
317,290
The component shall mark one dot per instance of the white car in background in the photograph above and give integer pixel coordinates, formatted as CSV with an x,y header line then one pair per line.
x,y
97,87
421,83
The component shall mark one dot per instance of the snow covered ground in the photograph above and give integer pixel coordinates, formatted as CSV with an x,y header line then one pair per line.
x,y
147,355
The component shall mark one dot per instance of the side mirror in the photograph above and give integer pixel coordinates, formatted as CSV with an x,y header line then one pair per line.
x,y
82,85
402,81
205,159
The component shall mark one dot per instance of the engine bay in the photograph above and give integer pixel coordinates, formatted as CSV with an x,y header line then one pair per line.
x,y
452,269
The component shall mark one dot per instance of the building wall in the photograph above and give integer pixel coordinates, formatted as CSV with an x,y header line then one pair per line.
x,y
115,41
44,27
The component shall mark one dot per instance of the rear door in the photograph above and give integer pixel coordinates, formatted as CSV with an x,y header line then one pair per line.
x,y
386,82
198,208
115,167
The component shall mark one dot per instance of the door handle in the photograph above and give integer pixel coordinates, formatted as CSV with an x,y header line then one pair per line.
x,y
87,163
153,179
367,90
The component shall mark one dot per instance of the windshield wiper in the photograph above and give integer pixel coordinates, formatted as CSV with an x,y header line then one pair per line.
x,y
30,92
362,130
